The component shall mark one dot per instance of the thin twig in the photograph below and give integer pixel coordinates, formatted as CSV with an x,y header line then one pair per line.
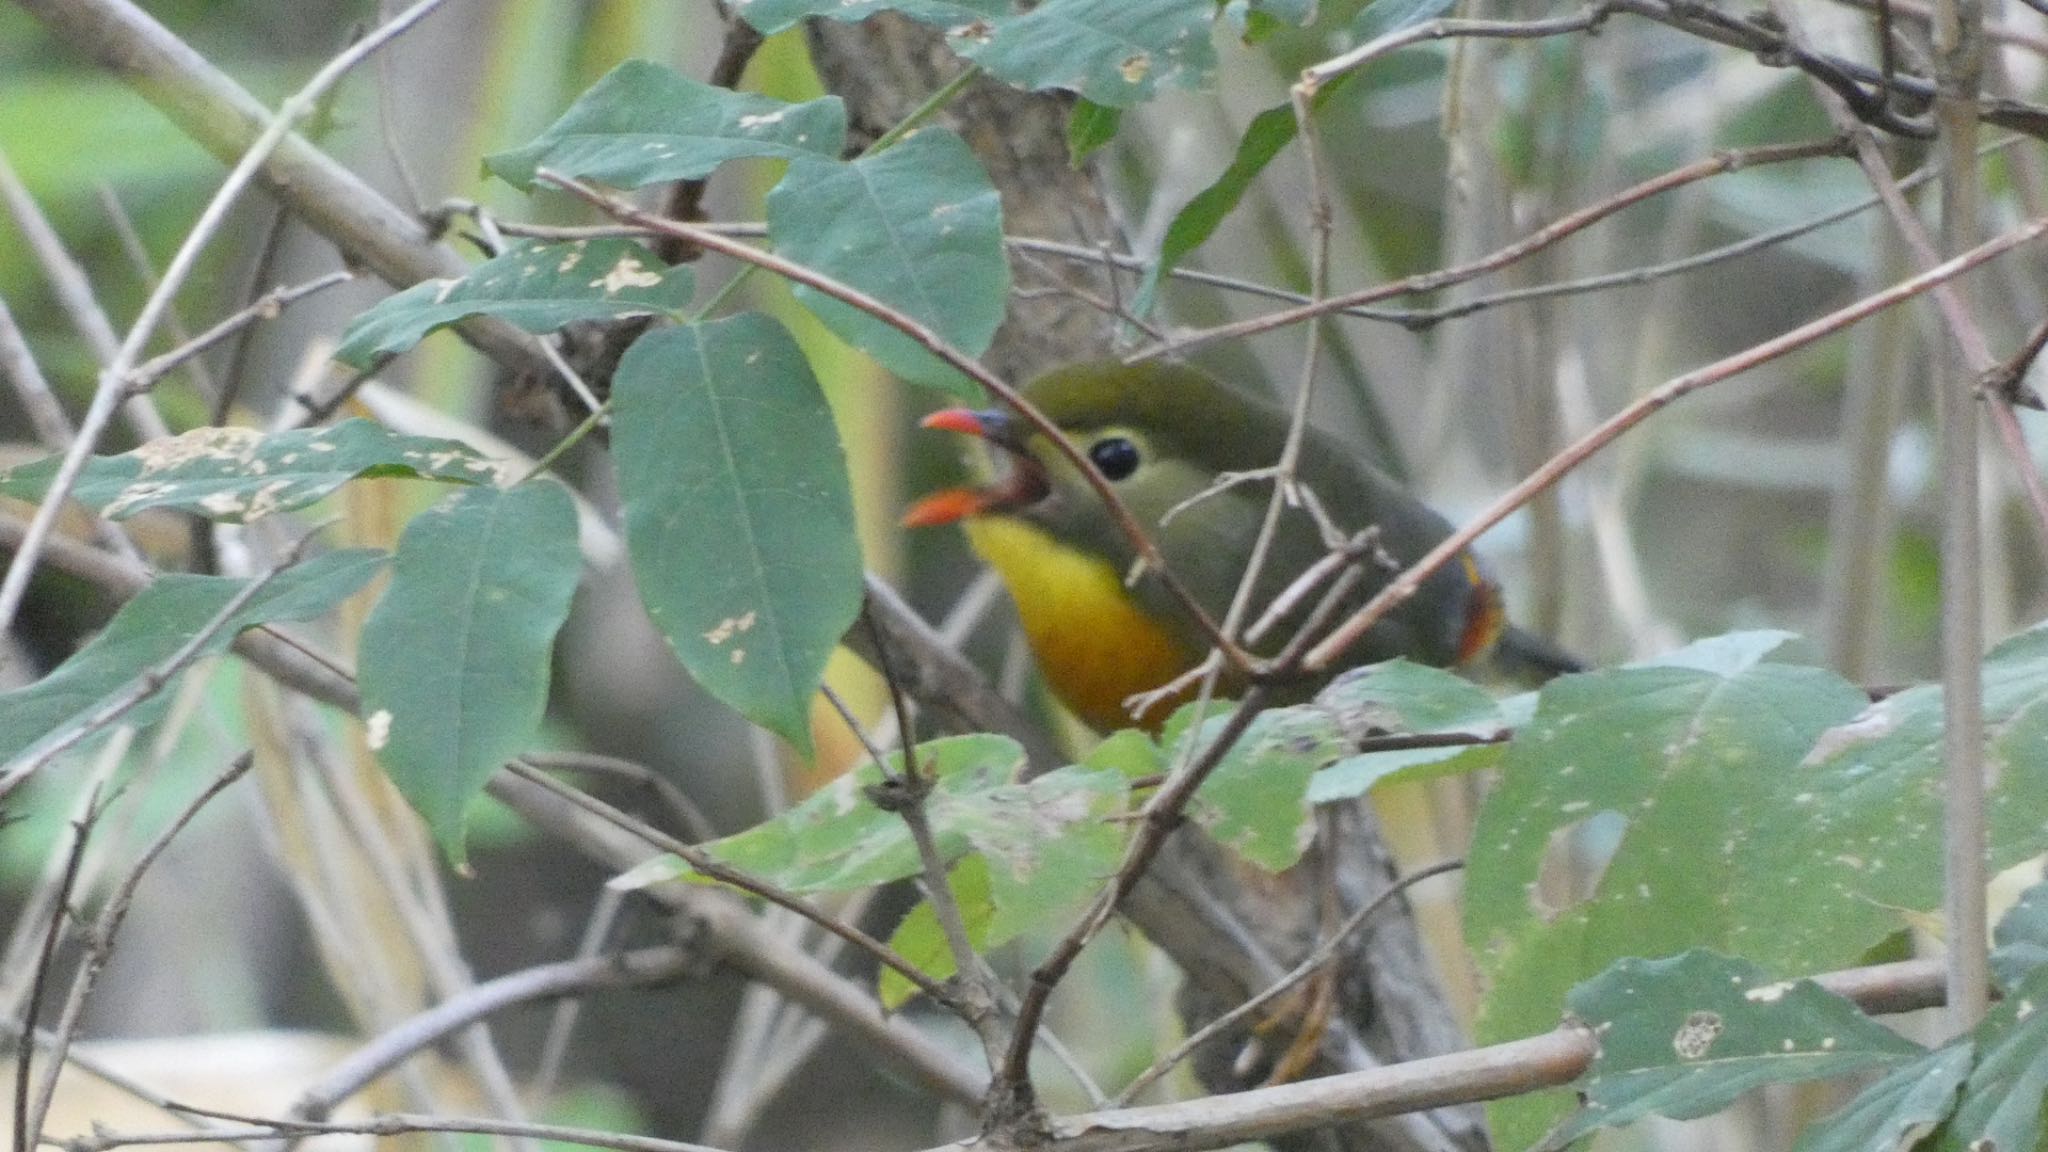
x,y
31,389
1585,20
100,942
640,968
2007,379
554,1047
387,123
1718,164
715,869
75,295
688,816
145,271
150,681
60,910
394,1124
265,307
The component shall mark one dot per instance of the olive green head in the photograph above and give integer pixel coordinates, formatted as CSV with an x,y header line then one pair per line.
x,y
1192,459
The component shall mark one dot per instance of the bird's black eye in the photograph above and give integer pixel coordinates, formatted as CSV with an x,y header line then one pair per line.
x,y
1116,456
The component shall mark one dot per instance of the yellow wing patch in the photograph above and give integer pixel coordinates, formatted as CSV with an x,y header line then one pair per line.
x,y
1095,644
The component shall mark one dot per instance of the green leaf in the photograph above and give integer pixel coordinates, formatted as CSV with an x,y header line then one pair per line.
x,y
1735,652
1354,776
1050,843
1256,20
1400,696
2001,1100
455,657
1114,52
1264,138
836,840
1386,16
1898,1110
1684,1037
1256,800
920,940
1128,751
2022,937
537,287
235,475
647,124
1039,851
739,515
1403,698
917,226
1690,760
152,627
1089,127
1850,844
772,16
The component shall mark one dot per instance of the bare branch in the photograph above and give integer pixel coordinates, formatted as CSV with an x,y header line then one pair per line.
x,y
641,968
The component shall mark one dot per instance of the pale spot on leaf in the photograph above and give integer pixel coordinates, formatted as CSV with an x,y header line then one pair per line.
x,y
377,729
1696,1036
627,273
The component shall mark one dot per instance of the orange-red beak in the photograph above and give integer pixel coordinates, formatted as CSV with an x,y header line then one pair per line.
x,y
1022,481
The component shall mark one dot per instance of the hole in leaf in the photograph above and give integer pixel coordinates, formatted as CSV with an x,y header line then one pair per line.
x,y
1574,860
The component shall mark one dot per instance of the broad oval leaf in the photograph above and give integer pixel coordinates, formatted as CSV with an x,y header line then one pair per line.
x,y
1688,760
1089,127
235,475
2001,1100
1857,821
836,840
152,627
1401,697
739,516
917,226
772,16
1114,52
454,661
1038,851
643,123
920,940
1255,801
537,287
2022,938
1684,1037
1903,1106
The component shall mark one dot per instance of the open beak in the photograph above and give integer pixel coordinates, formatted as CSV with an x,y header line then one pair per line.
x,y
1020,481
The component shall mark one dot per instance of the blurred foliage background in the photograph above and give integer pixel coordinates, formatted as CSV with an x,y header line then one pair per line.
x,y
1737,508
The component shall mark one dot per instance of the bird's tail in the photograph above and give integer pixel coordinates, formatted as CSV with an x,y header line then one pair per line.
x,y
1527,658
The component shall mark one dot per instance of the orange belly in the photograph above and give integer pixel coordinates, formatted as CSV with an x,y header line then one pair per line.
x,y
1094,643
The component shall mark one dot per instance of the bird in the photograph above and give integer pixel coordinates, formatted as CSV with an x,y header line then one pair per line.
x,y
1192,459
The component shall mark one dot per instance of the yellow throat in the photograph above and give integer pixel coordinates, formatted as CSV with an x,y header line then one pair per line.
x,y
1095,644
